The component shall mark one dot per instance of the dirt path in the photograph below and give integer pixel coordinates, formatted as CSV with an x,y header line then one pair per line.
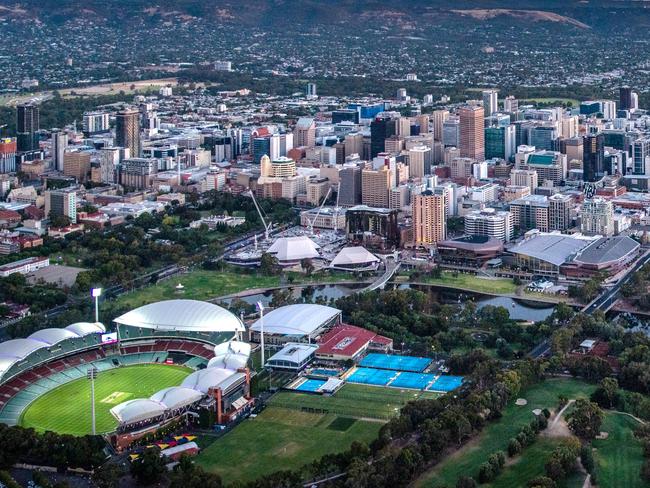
x,y
558,427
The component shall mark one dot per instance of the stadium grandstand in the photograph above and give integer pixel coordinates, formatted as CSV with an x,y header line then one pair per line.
x,y
302,322
190,333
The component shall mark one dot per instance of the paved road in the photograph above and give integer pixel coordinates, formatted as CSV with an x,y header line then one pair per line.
x,y
391,267
603,302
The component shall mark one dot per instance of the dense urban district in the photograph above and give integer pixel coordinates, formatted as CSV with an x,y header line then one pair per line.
x,y
404,246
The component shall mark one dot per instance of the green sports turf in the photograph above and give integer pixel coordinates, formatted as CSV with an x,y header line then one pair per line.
x,y
279,439
66,409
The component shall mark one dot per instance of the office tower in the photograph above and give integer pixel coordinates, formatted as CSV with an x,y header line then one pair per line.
x,y
95,123
304,134
549,165
490,102
138,173
593,159
345,115
280,145
451,132
281,167
8,150
472,136
353,144
510,104
523,177
394,145
641,156
480,170
350,185
423,122
375,185
597,217
420,161
403,126
127,131
61,203
573,148
530,212
77,165
381,128
500,142
489,223
609,110
311,90
59,146
559,212
543,137
261,147
109,158
27,127
569,126
635,101
461,167
429,222
625,98
439,117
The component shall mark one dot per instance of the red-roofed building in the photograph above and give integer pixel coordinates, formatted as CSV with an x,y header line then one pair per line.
x,y
9,219
345,342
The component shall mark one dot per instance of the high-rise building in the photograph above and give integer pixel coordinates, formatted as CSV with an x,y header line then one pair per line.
x,y
593,159
261,147
500,142
138,173
472,135
59,146
530,212
559,212
641,156
77,165
490,101
304,134
549,165
27,126
375,186
127,131
451,132
420,161
109,159
625,98
281,167
381,128
353,144
95,123
597,217
61,203
439,117
350,185
524,177
8,150
510,104
461,167
429,222
311,90
490,223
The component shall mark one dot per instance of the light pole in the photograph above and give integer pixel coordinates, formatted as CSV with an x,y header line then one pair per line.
x,y
96,293
91,374
260,307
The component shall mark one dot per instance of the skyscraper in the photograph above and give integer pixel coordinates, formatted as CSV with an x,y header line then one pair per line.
x,y
304,134
7,155
625,98
439,117
59,145
597,217
593,158
350,185
559,212
311,90
127,131
429,222
510,104
375,186
27,126
381,128
61,203
472,135
420,161
490,101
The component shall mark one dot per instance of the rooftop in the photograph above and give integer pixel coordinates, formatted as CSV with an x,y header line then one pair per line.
x,y
553,248
296,320
294,352
607,249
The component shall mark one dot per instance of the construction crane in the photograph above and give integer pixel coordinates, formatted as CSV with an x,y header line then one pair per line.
x,y
310,226
267,227
337,208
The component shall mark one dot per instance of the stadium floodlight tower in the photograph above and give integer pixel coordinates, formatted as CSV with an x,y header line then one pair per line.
x,y
96,293
91,374
260,307
267,227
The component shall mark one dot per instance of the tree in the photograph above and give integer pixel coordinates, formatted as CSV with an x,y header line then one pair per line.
x,y
307,266
59,221
585,419
149,467
587,458
514,447
465,482
268,264
607,393
107,476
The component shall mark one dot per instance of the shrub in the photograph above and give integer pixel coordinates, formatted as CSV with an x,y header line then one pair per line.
x,y
486,473
514,447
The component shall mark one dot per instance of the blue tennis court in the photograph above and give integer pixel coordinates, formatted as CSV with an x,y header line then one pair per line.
x,y
370,376
417,381
399,363
447,383
310,385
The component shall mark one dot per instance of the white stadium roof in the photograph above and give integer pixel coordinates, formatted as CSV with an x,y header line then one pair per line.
x,y
351,256
17,350
204,379
182,315
176,397
230,355
137,410
298,320
294,248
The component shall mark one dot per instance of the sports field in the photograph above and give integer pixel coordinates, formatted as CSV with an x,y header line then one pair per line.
x,y
281,439
470,282
66,409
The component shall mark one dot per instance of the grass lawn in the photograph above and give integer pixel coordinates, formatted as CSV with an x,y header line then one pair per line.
x,y
66,409
556,100
495,435
620,456
204,285
471,282
352,401
281,439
